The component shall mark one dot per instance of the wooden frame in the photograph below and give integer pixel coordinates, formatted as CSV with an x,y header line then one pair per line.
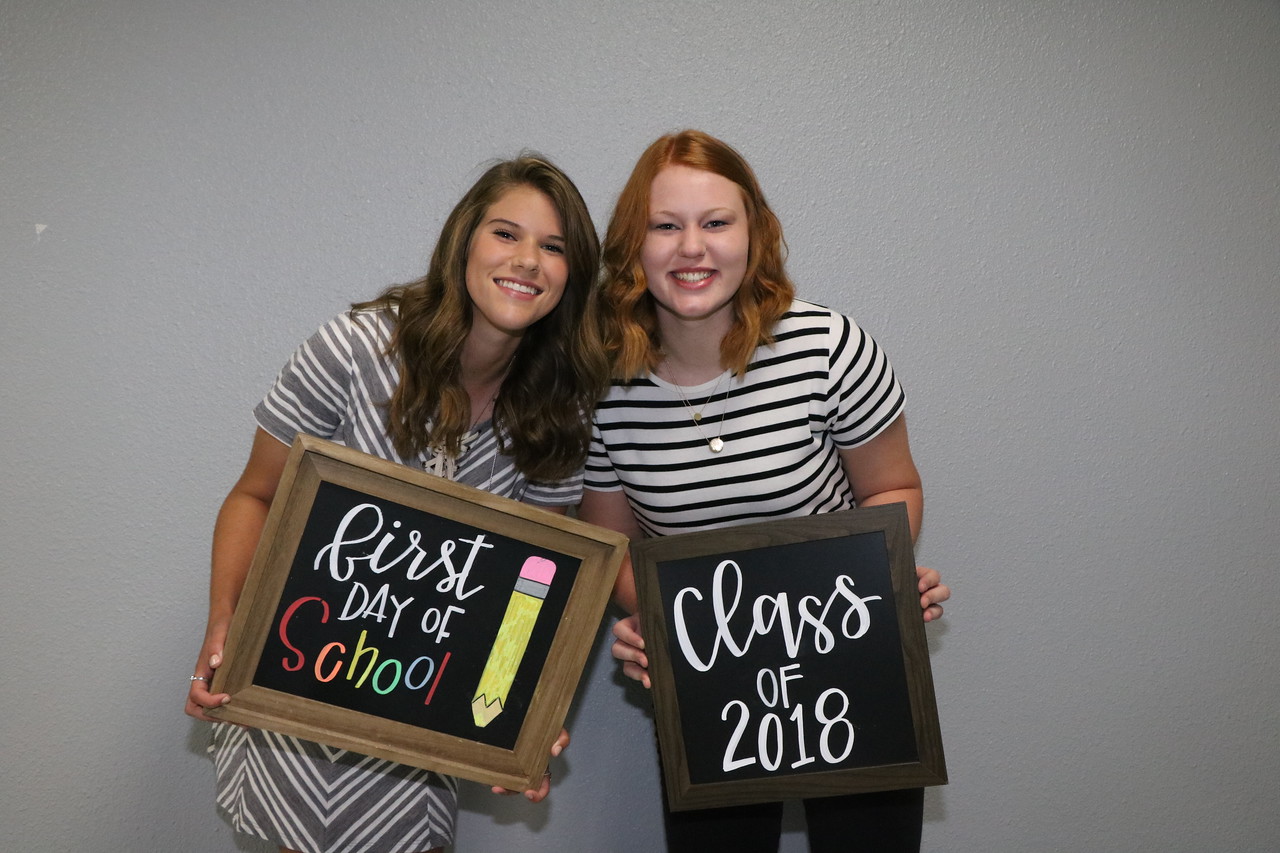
x,y
426,567
731,623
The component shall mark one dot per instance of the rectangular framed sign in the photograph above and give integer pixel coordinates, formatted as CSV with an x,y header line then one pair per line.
x,y
404,616
788,659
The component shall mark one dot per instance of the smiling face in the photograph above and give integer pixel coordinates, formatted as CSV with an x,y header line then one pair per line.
x,y
516,266
696,247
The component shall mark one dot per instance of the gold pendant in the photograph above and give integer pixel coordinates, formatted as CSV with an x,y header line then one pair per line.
x,y
716,444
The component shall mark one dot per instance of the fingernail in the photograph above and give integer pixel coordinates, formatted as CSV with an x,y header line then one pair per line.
x,y
215,660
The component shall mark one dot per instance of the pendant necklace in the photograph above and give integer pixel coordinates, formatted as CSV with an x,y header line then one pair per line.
x,y
716,444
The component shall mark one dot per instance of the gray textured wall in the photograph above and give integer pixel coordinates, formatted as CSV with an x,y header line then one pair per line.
x,y
1060,219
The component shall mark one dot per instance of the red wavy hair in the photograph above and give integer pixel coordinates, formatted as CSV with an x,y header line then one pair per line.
x,y
630,321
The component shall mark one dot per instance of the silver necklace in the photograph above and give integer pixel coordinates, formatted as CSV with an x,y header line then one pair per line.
x,y
716,444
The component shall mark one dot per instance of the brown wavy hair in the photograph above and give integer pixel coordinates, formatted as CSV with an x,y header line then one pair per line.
x,y
559,370
630,315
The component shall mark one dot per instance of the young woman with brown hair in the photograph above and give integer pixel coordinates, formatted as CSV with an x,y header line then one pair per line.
x,y
484,371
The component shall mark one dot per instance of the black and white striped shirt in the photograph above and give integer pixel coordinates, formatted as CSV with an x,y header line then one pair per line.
x,y
824,384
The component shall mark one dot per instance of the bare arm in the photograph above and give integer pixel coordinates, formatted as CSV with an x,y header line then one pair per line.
x,y
882,472
235,536
611,510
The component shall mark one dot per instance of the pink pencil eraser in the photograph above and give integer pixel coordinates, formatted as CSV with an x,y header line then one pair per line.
x,y
538,569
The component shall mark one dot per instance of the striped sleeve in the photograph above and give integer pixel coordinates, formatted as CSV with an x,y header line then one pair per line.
x,y
564,493
865,396
599,474
312,391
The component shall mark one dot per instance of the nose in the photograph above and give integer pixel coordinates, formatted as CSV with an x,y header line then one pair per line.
x,y
692,244
526,256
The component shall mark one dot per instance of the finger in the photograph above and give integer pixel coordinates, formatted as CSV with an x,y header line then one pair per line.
x,y
937,595
198,709
201,695
628,653
632,624
208,700
628,631
928,578
539,794
636,673
199,699
933,613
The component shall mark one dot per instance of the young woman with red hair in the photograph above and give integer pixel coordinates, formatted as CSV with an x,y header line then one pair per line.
x,y
734,402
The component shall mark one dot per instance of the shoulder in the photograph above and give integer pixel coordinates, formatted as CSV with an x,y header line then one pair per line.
x,y
808,328
843,335
808,319
356,334
367,323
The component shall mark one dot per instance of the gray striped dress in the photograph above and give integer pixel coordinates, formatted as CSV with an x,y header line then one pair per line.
x,y
304,795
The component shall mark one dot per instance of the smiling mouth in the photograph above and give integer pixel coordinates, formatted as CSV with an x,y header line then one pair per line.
x,y
518,286
693,277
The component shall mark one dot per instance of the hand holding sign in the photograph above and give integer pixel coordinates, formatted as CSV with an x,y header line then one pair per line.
x,y
628,647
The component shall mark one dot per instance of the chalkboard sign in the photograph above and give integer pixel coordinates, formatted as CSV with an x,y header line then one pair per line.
x,y
400,615
788,659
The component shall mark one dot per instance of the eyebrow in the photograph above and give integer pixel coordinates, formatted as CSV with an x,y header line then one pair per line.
x,y
498,220
715,211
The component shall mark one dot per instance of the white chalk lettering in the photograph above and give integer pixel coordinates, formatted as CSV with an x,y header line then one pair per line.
x,y
767,613
361,604
341,559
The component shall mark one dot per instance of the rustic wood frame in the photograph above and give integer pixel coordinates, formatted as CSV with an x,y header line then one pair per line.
x,y
682,793
312,461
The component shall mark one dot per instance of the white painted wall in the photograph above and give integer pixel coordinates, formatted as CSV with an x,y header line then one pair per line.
x,y
1061,220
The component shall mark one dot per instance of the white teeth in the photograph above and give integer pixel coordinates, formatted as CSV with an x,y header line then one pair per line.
x,y
691,277
519,288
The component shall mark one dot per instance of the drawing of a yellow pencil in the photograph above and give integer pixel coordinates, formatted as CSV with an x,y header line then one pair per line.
x,y
513,637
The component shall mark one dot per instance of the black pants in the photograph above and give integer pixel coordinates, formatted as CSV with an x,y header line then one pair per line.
x,y
883,822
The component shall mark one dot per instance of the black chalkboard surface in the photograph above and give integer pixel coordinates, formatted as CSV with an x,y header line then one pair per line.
x,y
405,616
788,659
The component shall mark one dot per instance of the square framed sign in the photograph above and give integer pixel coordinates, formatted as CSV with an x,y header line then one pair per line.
x,y
400,615
788,659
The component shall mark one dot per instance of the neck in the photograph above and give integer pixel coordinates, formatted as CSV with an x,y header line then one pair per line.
x,y
484,366
691,351
484,363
